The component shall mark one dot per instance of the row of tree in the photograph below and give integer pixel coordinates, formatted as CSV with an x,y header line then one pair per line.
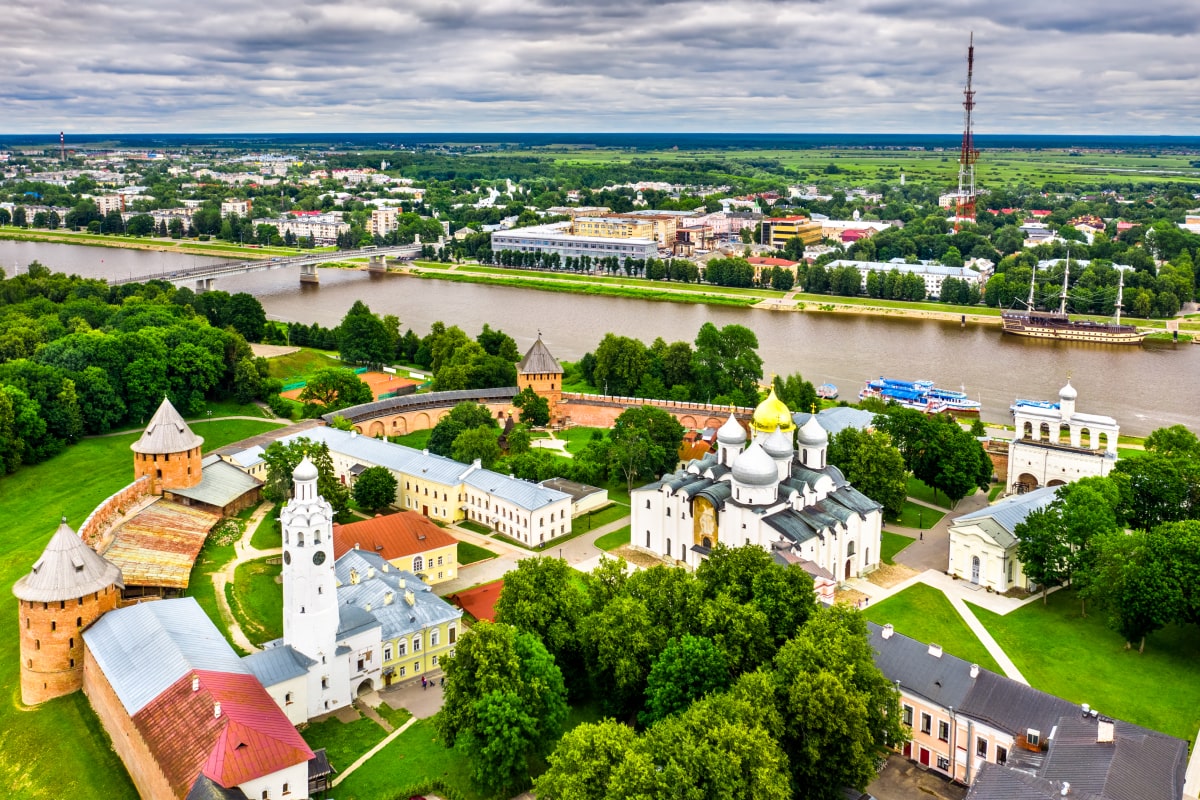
x,y
724,682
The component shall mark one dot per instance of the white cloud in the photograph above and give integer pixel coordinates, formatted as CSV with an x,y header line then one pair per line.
x,y
529,65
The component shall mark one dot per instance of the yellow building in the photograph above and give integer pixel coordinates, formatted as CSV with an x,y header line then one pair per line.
x,y
613,227
407,540
664,226
779,230
418,628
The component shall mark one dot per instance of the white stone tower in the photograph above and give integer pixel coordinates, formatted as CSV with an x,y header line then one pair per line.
x,y
310,609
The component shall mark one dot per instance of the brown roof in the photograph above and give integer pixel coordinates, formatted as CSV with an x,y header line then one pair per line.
x,y
159,546
538,359
405,533
67,569
166,433
479,602
250,739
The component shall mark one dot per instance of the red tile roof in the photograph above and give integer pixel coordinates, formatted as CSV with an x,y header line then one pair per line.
x,y
405,533
250,739
770,262
479,602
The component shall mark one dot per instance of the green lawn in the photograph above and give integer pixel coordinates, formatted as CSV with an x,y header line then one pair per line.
x,y
893,543
417,440
301,364
212,558
923,613
256,599
471,553
474,527
414,762
1130,452
995,492
916,516
395,716
611,541
595,519
268,535
31,502
1080,659
344,742
920,490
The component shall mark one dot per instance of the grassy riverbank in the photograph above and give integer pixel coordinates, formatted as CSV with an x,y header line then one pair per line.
x,y
215,248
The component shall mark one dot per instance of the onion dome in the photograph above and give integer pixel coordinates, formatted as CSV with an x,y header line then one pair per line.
x,y
811,433
773,413
166,433
755,468
731,432
306,470
67,569
1067,392
778,445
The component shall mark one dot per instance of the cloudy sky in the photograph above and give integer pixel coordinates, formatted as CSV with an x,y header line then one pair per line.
x,y
1050,66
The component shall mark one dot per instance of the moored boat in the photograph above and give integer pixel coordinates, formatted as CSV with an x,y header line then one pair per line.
x,y
1058,325
920,395
827,391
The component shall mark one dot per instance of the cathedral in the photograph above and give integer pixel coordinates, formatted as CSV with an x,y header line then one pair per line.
x,y
762,489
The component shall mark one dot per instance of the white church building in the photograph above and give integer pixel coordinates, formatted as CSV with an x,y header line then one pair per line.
x,y
343,622
1058,445
765,492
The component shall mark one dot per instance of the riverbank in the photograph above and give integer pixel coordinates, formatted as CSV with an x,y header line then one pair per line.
x,y
219,249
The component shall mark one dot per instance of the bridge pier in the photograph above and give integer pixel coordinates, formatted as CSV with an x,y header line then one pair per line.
x,y
204,285
308,273
377,263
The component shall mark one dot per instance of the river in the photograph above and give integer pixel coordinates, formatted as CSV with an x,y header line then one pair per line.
x,y
1143,388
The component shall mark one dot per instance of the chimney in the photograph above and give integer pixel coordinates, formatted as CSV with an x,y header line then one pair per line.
x,y
1066,789
217,709
935,650
974,670
1086,709
387,599
409,597
356,545
370,572
195,683
888,630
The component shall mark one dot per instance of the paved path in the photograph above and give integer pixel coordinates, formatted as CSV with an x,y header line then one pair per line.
x,y
933,552
197,419
993,648
243,552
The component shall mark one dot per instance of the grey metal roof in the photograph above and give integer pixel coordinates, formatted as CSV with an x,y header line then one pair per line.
x,y
144,649
577,491
836,419
278,664
352,619
1137,765
994,782
166,433
792,525
854,500
392,405
205,788
249,457
397,617
1012,706
67,569
538,359
945,680
1012,511
717,492
525,494
220,483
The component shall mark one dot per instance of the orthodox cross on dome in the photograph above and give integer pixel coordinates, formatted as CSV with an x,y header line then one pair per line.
x,y
814,408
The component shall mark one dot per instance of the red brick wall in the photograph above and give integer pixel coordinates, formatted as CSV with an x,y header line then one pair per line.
x,y
129,744
98,521
51,636
601,412
544,384
169,470
420,420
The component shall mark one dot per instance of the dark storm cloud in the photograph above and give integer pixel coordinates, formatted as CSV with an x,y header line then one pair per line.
x,y
881,65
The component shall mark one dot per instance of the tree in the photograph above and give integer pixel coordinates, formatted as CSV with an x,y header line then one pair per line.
x,y
333,388
1043,549
476,443
686,670
535,409
282,459
873,465
504,701
247,383
726,364
1159,489
581,766
363,338
644,443
620,364
464,416
795,392
375,488
1173,441
245,313
1133,581
498,343
620,643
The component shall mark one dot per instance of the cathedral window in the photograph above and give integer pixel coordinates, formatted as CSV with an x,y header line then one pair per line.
x,y
647,502
300,540
668,551
668,511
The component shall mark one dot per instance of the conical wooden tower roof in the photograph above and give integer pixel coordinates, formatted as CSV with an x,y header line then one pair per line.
x,y
167,433
67,569
538,360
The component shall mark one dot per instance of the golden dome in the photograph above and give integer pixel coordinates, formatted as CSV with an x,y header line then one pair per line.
x,y
772,413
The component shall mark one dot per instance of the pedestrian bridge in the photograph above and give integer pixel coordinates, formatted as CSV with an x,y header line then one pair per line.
x,y
205,275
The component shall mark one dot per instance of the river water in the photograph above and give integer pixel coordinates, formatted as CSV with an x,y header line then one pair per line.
x,y
1143,388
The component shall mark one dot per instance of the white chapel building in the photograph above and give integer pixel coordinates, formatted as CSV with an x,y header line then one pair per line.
x,y
765,492
1058,445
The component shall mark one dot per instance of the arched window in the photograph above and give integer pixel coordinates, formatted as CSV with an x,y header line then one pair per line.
x,y
418,563
433,637
850,548
417,643
668,551
402,648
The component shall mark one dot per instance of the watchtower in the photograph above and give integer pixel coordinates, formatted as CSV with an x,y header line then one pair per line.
x,y
67,590
541,372
168,452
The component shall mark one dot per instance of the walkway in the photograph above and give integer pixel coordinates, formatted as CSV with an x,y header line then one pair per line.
x,y
279,420
367,755
243,552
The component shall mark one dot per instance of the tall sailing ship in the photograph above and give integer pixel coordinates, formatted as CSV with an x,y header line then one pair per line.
x,y
1057,325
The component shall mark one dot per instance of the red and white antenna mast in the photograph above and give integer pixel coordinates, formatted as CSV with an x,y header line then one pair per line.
x,y
964,206
62,147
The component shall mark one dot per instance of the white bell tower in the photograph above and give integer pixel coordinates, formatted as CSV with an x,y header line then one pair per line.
x,y
310,611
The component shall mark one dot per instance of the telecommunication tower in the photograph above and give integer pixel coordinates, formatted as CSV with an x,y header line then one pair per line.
x,y
964,206
62,147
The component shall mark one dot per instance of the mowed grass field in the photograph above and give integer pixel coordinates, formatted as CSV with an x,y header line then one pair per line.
x,y
59,748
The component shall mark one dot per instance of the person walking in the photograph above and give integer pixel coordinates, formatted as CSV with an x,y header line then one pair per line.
x,y
424,683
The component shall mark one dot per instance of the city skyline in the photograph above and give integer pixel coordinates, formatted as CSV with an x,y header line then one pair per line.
x,y
530,65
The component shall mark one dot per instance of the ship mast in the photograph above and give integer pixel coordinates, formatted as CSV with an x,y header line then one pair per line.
x,y
1062,298
1120,292
1032,283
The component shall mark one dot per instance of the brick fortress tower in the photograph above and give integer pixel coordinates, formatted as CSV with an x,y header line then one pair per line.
x,y
168,452
541,372
67,590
